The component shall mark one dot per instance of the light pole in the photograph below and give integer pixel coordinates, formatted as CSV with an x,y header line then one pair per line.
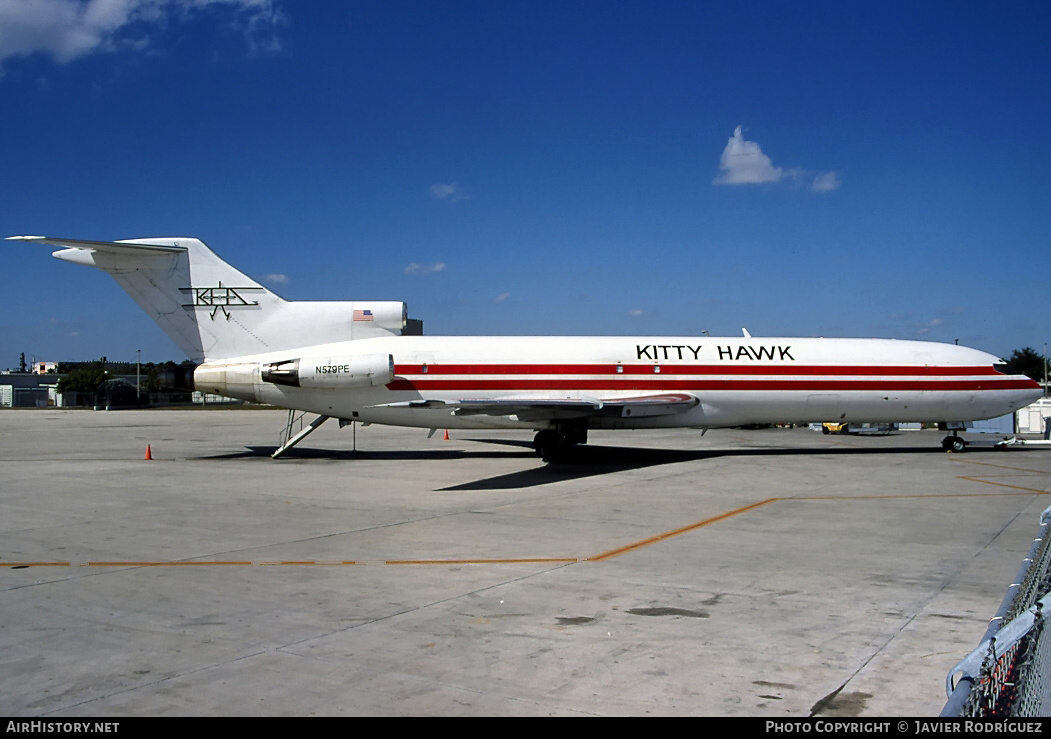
x,y
138,388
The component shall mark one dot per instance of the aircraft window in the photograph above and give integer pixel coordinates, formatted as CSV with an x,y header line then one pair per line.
x,y
656,369
620,369
424,369
1000,367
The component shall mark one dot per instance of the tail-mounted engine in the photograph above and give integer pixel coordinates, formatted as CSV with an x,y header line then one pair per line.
x,y
357,370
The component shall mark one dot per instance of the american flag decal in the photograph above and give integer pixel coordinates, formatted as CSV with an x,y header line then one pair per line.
x,y
362,315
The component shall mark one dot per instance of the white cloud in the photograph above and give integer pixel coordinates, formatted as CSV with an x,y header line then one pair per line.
x,y
930,326
636,312
744,163
67,29
825,182
415,268
449,191
501,297
276,279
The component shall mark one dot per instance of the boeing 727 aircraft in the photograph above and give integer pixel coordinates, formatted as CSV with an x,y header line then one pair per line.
x,y
358,361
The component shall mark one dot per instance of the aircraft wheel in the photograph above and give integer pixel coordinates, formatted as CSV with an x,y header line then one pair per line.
x,y
553,448
543,440
556,445
953,444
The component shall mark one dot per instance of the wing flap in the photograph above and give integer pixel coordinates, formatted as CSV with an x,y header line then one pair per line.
x,y
557,409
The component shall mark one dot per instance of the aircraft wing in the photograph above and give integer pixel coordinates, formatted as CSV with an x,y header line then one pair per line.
x,y
552,409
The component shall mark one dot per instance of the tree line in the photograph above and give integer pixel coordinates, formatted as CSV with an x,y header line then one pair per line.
x,y
1028,362
86,377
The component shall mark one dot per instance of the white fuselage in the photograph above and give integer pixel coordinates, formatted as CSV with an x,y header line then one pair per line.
x,y
257,346
737,380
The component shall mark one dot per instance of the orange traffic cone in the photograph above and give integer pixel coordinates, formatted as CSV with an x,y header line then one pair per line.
x,y
446,437
148,454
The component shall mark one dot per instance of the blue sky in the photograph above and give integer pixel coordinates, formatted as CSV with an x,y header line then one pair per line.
x,y
640,168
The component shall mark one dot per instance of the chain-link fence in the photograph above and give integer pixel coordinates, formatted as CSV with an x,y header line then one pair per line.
x,y
1009,674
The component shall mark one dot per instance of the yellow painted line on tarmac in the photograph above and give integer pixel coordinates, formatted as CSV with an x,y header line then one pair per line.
x,y
297,562
305,563
512,561
153,563
610,554
1000,466
1027,471
1036,491
678,532
912,496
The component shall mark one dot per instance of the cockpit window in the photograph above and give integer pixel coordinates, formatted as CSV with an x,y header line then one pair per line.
x,y
1000,367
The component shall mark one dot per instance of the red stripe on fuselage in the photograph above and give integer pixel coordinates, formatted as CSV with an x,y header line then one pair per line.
x,y
676,384
694,369
708,377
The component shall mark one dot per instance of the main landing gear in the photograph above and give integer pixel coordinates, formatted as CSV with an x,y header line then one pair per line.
x,y
555,445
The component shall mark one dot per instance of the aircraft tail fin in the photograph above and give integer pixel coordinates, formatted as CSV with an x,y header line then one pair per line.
x,y
212,310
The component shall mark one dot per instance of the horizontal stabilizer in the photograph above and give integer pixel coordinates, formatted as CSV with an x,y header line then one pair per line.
x,y
131,247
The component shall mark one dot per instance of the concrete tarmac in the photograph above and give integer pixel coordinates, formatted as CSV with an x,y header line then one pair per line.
x,y
777,573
